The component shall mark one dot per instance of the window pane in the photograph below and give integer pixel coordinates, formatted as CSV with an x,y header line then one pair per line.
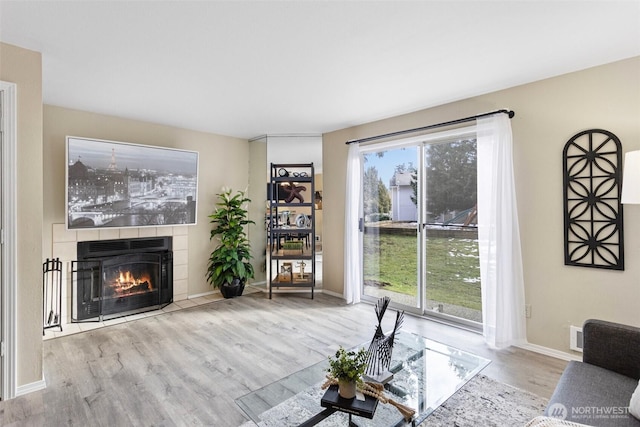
x,y
453,267
390,245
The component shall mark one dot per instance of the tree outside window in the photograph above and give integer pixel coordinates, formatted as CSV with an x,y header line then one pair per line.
x,y
451,177
377,202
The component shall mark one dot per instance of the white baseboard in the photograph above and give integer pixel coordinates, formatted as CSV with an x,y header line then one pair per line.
x,y
333,294
217,291
203,294
30,388
550,352
299,291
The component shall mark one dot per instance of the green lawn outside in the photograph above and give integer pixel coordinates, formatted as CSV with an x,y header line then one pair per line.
x,y
453,271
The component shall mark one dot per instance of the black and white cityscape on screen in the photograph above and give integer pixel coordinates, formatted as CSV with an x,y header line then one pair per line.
x,y
116,184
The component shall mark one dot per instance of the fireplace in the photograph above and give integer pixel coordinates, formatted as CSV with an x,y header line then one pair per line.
x,y
114,278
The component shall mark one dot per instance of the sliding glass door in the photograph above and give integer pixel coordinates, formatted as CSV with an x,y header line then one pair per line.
x,y
452,282
420,240
391,263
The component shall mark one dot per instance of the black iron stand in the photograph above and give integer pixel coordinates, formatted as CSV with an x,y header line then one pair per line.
x,y
52,294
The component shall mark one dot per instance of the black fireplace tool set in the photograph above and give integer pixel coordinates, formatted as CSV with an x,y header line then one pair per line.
x,y
52,294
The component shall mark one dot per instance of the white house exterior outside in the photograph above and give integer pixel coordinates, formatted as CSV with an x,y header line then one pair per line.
x,y
402,208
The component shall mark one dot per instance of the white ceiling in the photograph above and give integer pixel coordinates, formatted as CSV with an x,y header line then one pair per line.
x,y
245,68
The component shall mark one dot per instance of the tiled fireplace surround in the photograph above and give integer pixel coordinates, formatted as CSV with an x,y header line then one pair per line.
x,y
64,246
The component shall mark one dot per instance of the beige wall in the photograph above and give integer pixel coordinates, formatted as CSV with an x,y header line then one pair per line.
x,y
24,68
548,113
223,161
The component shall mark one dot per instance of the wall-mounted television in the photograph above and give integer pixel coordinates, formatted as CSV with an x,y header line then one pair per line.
x,y
112,184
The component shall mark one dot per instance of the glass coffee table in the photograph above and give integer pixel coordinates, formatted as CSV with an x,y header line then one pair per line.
x,y
425,374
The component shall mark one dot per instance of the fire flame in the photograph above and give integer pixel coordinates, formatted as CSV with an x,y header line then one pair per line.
x,y
125,283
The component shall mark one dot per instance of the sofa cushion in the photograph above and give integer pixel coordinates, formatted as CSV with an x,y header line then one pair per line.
x,y
592,395
612,346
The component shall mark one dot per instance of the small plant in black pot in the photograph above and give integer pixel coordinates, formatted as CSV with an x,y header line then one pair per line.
x,y
348,367
229,264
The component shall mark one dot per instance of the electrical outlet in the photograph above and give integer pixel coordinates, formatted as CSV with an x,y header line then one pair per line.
x,y
527,311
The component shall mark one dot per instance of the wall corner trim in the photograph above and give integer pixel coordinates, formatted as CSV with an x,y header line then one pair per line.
x,y
8,254
30,388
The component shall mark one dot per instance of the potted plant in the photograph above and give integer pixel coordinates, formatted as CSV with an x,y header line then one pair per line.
x,y
348,367
229,266
292,248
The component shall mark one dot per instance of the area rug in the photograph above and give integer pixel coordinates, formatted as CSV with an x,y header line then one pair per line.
x,y
486,402
481,402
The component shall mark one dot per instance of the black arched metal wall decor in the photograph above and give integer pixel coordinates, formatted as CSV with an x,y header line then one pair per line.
x,y
593,232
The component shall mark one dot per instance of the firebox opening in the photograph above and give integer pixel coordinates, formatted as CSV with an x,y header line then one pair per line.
x,y
124,282
114,278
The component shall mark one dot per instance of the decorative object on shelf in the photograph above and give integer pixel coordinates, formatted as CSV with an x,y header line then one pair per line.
x,y
231,259
381,347
301,265
317,199
285,272
283,173
275,190
284,218
292,247
593,224
347,367
301,220
294,192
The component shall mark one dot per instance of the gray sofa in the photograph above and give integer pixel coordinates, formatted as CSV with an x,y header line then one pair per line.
x,y
597,390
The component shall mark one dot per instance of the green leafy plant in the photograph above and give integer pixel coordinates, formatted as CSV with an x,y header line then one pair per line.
x,y
292,245
231,259
348,365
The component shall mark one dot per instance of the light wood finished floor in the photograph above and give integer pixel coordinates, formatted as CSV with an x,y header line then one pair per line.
x,y
187,367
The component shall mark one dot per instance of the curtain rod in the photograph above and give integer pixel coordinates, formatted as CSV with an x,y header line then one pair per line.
x,y
510,113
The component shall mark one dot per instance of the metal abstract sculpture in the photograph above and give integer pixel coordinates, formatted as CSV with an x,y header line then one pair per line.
x,y
381,347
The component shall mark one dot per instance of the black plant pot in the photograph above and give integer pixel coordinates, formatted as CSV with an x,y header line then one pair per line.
x,y
231,290
240,288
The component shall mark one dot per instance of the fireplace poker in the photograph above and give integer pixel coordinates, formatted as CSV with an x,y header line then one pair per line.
x,y
56,276
46,287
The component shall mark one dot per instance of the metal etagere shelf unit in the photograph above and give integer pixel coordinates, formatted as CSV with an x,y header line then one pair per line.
x,y
291,228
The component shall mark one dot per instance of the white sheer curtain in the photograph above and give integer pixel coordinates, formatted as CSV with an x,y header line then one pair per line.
x,y
499,236
352,241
